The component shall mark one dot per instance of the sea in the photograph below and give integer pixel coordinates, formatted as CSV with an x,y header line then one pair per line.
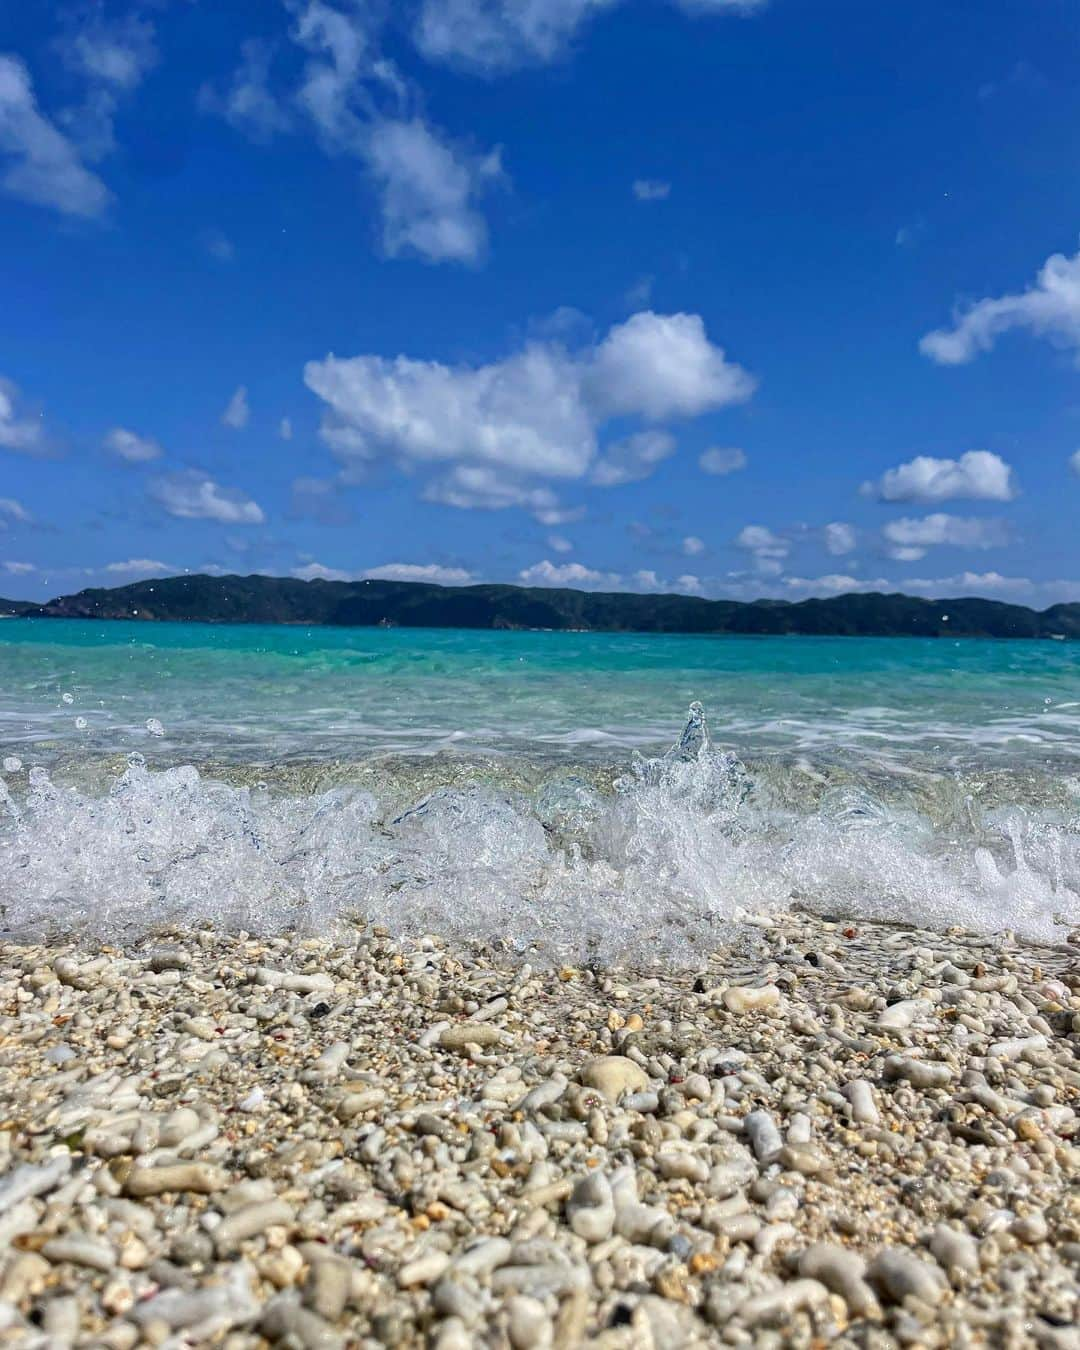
x,y
571,796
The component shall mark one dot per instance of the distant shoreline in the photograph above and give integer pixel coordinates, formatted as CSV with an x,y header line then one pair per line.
x,y
286,601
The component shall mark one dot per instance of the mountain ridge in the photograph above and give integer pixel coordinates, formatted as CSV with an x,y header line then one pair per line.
x,y
256,598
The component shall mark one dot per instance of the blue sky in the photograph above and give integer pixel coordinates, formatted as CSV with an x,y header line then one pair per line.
x,y
770,298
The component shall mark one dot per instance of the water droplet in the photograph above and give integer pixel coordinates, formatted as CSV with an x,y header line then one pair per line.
x,y
68,698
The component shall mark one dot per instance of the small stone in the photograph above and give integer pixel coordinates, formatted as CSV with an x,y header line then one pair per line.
x,y
612,1075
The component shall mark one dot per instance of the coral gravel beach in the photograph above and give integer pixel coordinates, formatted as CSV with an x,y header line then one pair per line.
x,y
825,1133
493,1011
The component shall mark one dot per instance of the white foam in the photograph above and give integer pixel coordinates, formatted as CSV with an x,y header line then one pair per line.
x,y
665,867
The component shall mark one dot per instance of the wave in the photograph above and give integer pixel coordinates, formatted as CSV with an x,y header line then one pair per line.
x,y
663,860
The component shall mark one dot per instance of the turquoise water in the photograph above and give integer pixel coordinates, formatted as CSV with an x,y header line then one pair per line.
x,y
272,694
532,787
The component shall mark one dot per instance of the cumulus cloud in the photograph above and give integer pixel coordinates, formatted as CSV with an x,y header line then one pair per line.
x,y
720,462
18,432
494,36
835,584
19,569
965,583
1050,309
840,538
663,365
580,577
285,429
492,430
129,446
979,474
12,510
145,567
433,572
632,459
560,544
237,412
692,546
767,549
429,572
908,539
651,189
479,487
1074,463
191,495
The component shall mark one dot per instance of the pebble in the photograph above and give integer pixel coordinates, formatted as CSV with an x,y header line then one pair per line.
x,y
902,1274
746,999
231,1139
612,1075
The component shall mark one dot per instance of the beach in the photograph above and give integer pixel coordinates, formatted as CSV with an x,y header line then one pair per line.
x,y
825,1133
380,989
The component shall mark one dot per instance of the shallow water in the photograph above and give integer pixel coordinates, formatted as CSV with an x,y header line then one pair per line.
x,y
524,784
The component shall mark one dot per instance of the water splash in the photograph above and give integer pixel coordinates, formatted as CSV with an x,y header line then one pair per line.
x,y
664,863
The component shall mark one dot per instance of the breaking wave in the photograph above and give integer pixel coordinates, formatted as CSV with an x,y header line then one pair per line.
x,y
662,860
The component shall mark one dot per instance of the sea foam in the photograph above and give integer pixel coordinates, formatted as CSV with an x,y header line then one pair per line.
x,y
666,863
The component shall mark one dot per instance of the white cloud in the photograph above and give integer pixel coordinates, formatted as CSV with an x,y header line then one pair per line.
x,y
129,446
44,166
285,430
981,583
248,104
237,412
361,105
440,576
480,487
502,35
316,571
766,548
495,36
118,54
908,539
577,575
427,189
147,567
547,573
1049,309
433,573
560,544
692,546
651,189
19,569
978,474
113,57
24,435
535,414
1074,463
663,365
632,459
836,584
13,510
840,538
195,496
718,461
